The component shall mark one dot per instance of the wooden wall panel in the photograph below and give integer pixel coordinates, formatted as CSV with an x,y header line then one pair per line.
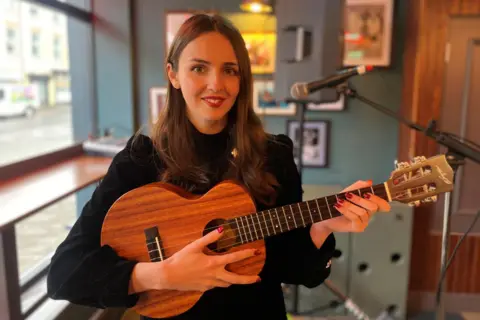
x,y
422,98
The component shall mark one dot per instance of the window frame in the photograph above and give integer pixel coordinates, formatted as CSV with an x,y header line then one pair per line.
x,y
14,170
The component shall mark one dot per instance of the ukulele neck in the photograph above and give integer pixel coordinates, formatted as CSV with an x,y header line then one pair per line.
x,y
266,223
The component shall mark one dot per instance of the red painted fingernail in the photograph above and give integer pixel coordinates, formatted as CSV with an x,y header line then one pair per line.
x,y
340,201
349,195
220,229
366,195
338,206
259,279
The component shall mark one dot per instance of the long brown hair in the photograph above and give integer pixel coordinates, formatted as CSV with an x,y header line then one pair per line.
x,y
170,132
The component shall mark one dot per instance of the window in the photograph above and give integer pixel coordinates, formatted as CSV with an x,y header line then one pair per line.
x,y
10,42
56,47
35,44
33,11
35,114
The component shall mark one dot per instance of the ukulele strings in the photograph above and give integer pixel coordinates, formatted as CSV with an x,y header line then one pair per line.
x,y
380,194
267,211
246,230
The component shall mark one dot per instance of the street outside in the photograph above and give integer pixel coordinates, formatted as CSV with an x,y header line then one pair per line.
x,y
21,138
48,130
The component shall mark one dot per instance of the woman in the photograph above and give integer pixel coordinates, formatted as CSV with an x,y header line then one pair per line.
x,y
208,132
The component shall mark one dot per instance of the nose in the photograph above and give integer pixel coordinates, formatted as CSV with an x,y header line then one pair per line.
x,y
215,81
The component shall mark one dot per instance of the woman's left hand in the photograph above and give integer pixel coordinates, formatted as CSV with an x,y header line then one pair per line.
x,y
356,211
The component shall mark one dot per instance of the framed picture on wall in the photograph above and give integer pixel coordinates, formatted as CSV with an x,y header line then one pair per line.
x,y
316,137
338,105
261,49
368,32
265,101
158,100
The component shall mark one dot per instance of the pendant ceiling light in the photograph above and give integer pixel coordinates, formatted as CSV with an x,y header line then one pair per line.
x,y
256,6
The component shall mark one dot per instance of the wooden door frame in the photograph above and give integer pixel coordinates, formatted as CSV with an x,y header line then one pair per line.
x,y
423,78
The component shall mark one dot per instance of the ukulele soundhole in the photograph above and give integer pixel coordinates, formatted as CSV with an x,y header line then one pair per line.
x,y
227,241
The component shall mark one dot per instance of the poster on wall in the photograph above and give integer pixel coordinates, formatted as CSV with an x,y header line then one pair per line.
x,y
368,32
261,48
265,103
315,142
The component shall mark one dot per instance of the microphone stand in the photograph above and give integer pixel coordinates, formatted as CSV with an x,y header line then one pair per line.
x,y
457,151
302,106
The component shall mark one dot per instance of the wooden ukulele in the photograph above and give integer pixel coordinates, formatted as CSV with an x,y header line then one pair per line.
x,y
153,222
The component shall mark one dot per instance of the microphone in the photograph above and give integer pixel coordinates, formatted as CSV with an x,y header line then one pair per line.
x,y
301,90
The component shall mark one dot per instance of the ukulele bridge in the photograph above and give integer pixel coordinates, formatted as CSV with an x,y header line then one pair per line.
x,y
153,242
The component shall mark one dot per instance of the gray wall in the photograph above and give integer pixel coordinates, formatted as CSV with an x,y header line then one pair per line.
x,y
363,141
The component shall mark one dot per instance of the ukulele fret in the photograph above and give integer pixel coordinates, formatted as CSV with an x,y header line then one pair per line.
x,y
319,211
266,226
254,229
290,216
260,224
248,226
244,230
238,228
278,219
310,212
271,222
328,206
371,188
284,214
301,214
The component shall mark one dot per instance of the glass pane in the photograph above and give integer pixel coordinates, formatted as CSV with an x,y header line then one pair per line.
x,y
40,234
35,96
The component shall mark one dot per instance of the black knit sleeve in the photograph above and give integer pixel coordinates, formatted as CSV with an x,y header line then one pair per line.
x,y
292,257
82,271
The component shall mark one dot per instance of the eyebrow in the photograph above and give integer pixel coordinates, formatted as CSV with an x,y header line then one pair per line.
x,y
209,63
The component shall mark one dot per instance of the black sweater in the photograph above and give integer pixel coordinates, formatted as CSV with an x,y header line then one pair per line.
x,y
85,273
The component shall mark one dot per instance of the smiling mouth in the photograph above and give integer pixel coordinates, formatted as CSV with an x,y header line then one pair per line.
x,y
214,102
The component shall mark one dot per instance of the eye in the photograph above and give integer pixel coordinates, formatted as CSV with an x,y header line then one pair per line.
x,y
231,71
198,69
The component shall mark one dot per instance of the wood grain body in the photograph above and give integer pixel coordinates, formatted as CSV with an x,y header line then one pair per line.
x,y
181,219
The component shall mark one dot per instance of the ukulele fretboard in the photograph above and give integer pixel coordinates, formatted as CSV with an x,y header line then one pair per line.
x,y
263,224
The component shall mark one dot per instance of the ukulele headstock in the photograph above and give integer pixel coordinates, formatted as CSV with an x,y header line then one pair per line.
x,y
420,180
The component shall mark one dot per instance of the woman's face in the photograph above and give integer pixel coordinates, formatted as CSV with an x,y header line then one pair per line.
x,y
209,79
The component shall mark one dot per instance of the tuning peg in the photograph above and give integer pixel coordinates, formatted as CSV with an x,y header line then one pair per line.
x,y
418,159
414,203
401,165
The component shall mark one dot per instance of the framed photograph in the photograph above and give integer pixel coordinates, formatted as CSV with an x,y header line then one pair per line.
x,y
158,100
316,137
368,32
266,103
338,105
261,51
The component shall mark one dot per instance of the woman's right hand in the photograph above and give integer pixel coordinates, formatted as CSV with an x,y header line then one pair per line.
x,y
191,269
